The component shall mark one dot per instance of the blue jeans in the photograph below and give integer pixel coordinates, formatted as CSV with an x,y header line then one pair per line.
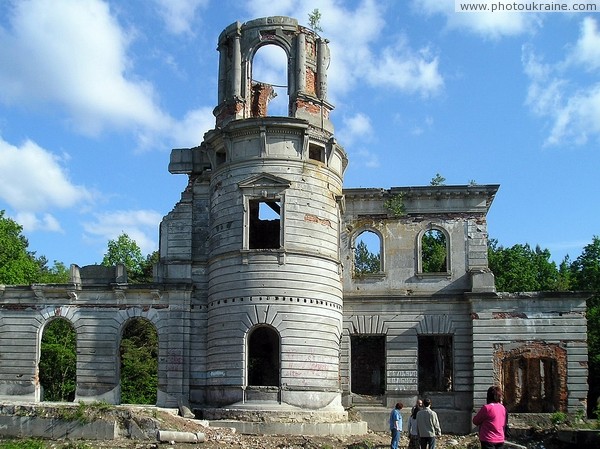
x,y
395,438
427,442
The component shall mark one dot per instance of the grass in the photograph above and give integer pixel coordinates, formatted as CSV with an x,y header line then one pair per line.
x,y
29,443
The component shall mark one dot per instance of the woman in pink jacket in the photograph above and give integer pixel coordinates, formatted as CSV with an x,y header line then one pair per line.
x,y
491,420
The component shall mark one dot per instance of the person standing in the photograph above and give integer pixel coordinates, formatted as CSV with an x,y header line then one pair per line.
x,y
428,426
413,431
396,425
418,406
491,419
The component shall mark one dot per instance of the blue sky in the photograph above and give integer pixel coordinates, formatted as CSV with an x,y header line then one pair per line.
x,y
94,95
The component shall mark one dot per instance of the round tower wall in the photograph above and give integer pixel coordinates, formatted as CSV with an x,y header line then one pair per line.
x,y
282,271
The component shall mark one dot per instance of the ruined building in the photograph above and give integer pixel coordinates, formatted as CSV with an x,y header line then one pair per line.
x,y
257,309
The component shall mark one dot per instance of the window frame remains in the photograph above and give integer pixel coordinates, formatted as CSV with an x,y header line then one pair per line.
x,y
437,375
269,191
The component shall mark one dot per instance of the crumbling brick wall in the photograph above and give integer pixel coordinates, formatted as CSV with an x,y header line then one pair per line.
x,y
533,376
261,95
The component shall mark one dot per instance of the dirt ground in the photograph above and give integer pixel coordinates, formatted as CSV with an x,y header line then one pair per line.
x,y
531,431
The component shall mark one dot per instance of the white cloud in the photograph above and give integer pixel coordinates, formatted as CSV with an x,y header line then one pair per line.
x,y
355,130
31,222
420,127
139,225
33,180
557,91
354,36
73,54
409,71
190,131
587,48
356,127
492,25
179,14
366,158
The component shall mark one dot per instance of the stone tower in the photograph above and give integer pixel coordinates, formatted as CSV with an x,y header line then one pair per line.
x,y
263,208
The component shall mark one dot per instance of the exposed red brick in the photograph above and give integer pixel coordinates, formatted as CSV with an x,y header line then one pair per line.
x,y
261,95
311,81
533,376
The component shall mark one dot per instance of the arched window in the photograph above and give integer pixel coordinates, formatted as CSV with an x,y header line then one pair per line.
x,y
434,252
263,357
367,253
270,82
139,362
58,361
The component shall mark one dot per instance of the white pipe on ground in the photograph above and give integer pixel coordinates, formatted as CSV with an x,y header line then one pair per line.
x,y
180,437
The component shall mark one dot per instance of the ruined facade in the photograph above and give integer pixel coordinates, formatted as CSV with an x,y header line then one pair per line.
x,y
257,297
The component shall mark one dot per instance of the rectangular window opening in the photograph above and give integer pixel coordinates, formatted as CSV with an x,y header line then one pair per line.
x,y
316,153
221,157
368,364
265,224
435,363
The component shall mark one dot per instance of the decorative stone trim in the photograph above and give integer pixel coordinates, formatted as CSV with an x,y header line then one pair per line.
x,y
275,299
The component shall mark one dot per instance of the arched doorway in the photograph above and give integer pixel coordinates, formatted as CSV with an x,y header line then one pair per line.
x,y
58,361
139,362
263,357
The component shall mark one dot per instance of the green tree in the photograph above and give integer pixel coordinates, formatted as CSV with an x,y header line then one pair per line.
x,y
438,180
521,269
564,275
17,264
58,361
585,270
585,276
57,274
139,362
125,250
314,20
434,252
395,205
148,267
365,262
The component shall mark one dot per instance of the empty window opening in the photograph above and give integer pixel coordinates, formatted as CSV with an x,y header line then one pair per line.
x,y
531,385
263,357
368,364
264,224
316,152
58,361
367,253
221,157
139,362
434,252
269,82
435,363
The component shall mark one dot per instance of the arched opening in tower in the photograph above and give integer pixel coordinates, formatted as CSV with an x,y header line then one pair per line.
x,y
270,82
263,357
